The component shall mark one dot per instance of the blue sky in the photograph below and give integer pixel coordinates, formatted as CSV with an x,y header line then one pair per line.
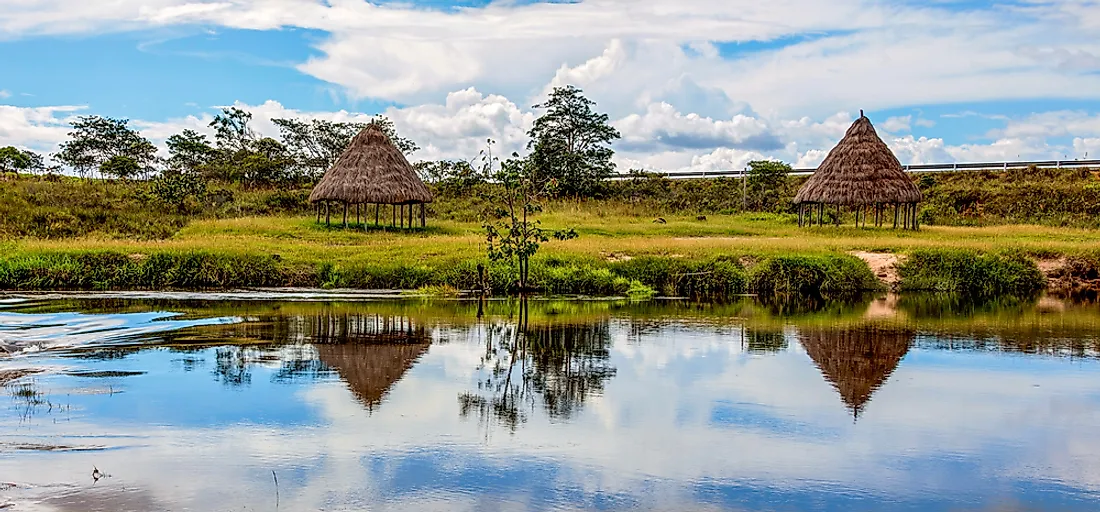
x,y
692,84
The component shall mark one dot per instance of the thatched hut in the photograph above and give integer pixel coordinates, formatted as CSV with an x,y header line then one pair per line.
x,y
857,361
372,171
860,173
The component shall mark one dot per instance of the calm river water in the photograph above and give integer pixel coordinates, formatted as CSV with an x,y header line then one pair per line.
x,y
204,403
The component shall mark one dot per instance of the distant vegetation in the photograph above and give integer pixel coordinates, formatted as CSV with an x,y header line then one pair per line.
x,y
233,211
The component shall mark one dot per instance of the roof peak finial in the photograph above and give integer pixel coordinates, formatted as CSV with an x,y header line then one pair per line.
x,y
861,113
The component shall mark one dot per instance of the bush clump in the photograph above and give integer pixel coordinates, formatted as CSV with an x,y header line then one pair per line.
x,y
824,275
969,272
117,271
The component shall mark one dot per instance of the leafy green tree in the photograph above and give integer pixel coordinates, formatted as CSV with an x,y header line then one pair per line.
x,y
452,176
316,144
516,236
175,188
95,140
13,160
267,163
767,185
120,166
231,130
571,142
189,151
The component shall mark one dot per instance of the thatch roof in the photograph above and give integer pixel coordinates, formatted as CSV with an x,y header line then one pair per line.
x,y
370,370
860,170
371,170
857,361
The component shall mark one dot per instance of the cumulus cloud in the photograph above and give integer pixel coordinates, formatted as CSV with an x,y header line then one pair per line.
x,y
1051,124
897,124
4,94
932,53
663,126
1087,148
38,128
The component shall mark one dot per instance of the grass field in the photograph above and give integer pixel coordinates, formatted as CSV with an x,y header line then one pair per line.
x,y
617,250
302,240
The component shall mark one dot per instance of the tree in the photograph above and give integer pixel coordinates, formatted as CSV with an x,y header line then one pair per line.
x,y
231,130
189,151
120,166
95,140
174,188
266,163
516,236
768,185
316,144
13,160
570,143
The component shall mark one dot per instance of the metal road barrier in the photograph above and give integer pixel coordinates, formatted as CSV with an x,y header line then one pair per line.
x,y
954,167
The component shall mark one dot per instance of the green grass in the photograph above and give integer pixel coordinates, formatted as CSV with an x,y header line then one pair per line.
x,y
269,238
723,256
970,273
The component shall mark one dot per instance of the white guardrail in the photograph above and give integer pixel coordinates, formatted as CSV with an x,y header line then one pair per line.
x,y
955,167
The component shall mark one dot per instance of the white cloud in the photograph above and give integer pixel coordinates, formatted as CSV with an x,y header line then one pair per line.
x,y
898,124
1086,148
923,150
37,128
663,126
1051,124
847,54
4,94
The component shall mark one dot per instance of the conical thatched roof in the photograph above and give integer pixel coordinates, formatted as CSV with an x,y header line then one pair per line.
x,y
371,170
856,361
861,169
370,370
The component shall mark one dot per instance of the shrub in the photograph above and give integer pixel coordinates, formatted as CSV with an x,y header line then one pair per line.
x,y
825,275
968,272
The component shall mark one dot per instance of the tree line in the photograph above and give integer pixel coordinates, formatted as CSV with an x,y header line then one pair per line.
x,y
570,144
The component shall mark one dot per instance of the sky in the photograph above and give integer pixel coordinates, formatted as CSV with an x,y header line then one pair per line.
x,y
691,84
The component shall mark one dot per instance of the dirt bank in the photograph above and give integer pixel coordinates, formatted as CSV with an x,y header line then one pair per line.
x,y
883,265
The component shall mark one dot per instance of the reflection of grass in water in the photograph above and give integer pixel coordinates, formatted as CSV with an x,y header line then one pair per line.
x,y
28,393
31,400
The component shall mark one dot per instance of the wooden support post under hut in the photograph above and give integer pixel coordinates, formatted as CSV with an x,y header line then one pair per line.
x,y
372,171
860,173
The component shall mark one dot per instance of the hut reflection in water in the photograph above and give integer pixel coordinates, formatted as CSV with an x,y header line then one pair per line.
x,y
370,353
857,361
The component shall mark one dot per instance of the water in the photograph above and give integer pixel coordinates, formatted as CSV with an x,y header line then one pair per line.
x,y
185,402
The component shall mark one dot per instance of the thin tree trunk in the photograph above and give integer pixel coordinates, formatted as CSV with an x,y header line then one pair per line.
x,y
423,216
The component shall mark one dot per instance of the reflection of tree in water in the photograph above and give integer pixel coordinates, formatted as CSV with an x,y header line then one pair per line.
x,y
556,366
761,341
231,366
857,360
